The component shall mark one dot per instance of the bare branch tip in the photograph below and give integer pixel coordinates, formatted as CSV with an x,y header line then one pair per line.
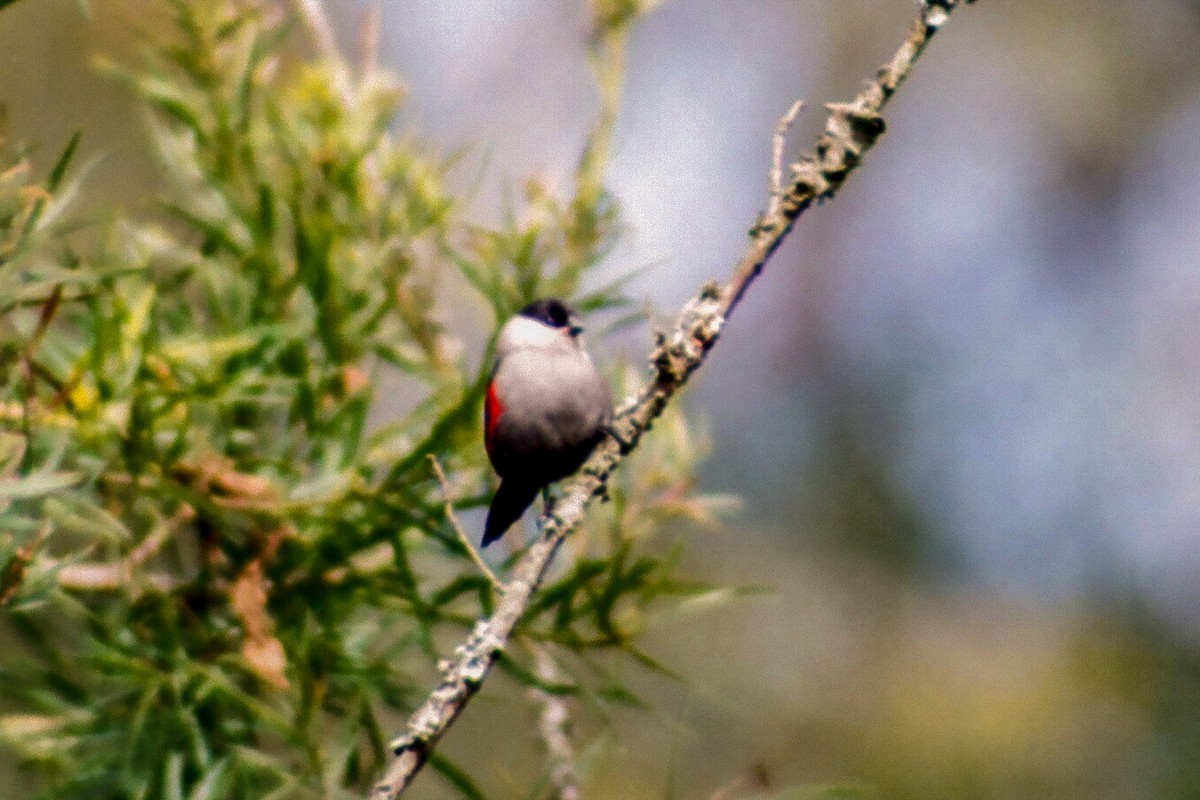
x,y
368,41
779,143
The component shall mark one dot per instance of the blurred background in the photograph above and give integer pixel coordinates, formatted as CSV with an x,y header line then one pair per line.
x,y
961,408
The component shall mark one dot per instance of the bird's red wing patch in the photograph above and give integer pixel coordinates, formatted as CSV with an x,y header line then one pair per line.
x,y
493,409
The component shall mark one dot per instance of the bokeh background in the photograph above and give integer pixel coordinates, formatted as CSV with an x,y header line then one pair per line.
x,y
961,409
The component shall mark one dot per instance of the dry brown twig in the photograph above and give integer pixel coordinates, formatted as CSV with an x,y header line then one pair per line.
x,y
111,575
13,573
850,130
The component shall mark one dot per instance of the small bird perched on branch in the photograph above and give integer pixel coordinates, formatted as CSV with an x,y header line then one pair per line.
x,y
546,409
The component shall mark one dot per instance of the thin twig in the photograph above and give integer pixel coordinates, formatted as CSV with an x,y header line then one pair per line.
x,y
850,130
452,518
778,144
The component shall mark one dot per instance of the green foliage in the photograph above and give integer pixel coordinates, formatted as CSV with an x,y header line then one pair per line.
x,y
222,578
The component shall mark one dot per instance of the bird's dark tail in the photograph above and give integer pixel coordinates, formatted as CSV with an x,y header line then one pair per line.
x,y
510,502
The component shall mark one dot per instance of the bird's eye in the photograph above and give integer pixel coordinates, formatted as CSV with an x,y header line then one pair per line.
x,y
558,316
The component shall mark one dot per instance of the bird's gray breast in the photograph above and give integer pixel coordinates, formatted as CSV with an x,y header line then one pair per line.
x,y
555,406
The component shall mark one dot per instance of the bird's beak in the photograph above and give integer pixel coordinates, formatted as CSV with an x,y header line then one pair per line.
x,y
574,328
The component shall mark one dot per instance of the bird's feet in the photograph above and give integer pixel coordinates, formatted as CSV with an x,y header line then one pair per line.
x,y
623,444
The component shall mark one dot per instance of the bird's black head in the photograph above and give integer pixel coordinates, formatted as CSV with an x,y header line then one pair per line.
x,y
555,314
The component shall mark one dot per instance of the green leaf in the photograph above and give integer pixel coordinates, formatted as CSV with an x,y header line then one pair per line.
x,y
461,585
514,669
462,413
623,695
207,788
457,777
173,776
653,664
60,167
37,485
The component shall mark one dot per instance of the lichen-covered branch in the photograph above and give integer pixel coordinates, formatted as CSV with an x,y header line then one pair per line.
x,y
850,130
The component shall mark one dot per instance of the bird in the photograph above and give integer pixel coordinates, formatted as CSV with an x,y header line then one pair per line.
x,y
546,408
